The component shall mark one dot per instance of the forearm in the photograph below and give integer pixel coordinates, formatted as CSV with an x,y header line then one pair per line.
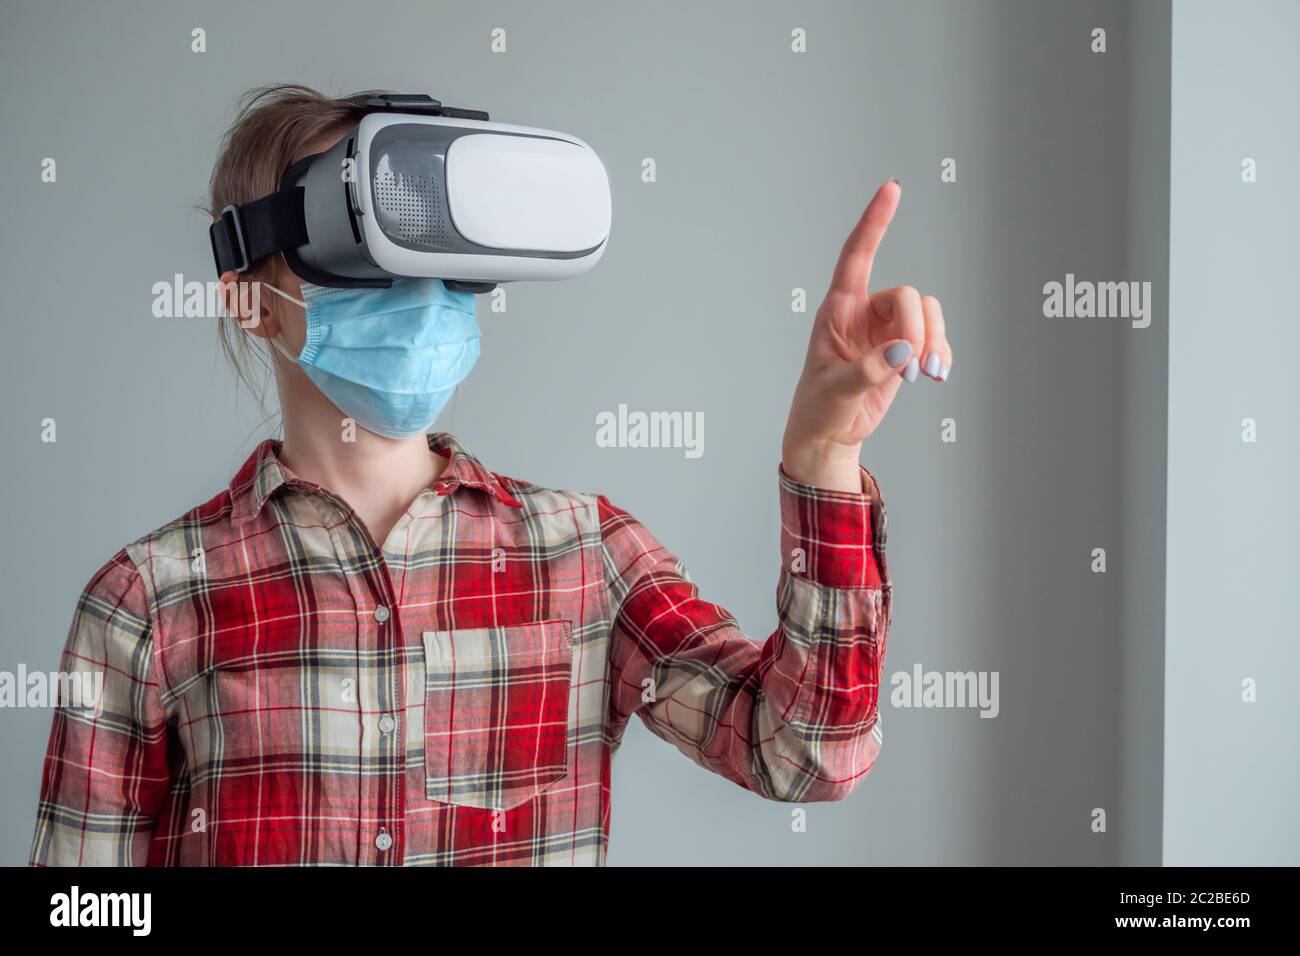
x,y
792,718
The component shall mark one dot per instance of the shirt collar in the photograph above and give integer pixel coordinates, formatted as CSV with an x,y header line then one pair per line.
x,y
465,469
263,474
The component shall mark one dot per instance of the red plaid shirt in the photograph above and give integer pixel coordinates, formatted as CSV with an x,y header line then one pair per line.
x,y
277,690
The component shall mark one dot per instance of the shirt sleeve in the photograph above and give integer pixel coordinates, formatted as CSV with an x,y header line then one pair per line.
x,y
795,718
106,773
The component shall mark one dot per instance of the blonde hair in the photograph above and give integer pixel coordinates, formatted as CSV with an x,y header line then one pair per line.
x,y
273,124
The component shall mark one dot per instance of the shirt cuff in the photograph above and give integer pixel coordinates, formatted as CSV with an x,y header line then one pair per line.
x,y
834,538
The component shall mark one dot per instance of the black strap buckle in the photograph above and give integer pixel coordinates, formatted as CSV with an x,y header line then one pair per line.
x,y
403,102
247,234
234,224
418,103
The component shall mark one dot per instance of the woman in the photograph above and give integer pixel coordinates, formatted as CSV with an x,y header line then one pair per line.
x,y
370,649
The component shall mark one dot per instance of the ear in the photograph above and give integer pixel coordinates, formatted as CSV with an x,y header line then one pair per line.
x,y
243,301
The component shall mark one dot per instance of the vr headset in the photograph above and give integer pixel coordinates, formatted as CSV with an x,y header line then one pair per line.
x,y
418,189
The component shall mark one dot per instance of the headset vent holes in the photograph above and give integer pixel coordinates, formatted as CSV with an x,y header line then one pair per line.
x,y
416,203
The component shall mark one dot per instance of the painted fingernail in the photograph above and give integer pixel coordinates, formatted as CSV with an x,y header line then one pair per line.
x,y
913,369
932,365
898,353
943,372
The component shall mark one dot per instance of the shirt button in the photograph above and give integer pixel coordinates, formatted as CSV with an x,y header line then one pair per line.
x,y
383,842
382,614
386,724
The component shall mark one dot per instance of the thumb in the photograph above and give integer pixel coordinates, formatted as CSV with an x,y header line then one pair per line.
x,y
885,361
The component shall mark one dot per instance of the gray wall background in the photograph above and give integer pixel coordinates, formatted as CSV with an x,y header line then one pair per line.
x,y
1142,428
1232,770
765,159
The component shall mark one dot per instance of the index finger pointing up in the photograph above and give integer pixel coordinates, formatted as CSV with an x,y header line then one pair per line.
x,y
854,267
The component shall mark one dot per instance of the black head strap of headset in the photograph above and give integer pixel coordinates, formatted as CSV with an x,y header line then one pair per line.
x,y
244,235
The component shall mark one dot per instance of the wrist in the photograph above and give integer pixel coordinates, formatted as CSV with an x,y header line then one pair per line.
x,y
830,465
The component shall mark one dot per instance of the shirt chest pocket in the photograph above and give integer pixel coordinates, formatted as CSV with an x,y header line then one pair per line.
x,y
496,712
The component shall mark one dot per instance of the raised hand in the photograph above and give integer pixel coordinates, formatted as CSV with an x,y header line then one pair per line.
x,y
863,347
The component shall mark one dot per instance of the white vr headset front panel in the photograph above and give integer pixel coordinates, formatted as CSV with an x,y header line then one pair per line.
x,y
508,188
517,192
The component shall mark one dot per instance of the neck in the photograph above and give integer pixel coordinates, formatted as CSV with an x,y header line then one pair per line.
x,y
379,477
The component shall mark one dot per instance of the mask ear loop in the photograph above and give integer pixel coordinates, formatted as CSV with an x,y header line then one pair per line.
x,y
285,295
451,425
276,342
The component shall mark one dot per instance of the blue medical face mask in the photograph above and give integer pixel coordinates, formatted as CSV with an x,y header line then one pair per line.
x,y
388,358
